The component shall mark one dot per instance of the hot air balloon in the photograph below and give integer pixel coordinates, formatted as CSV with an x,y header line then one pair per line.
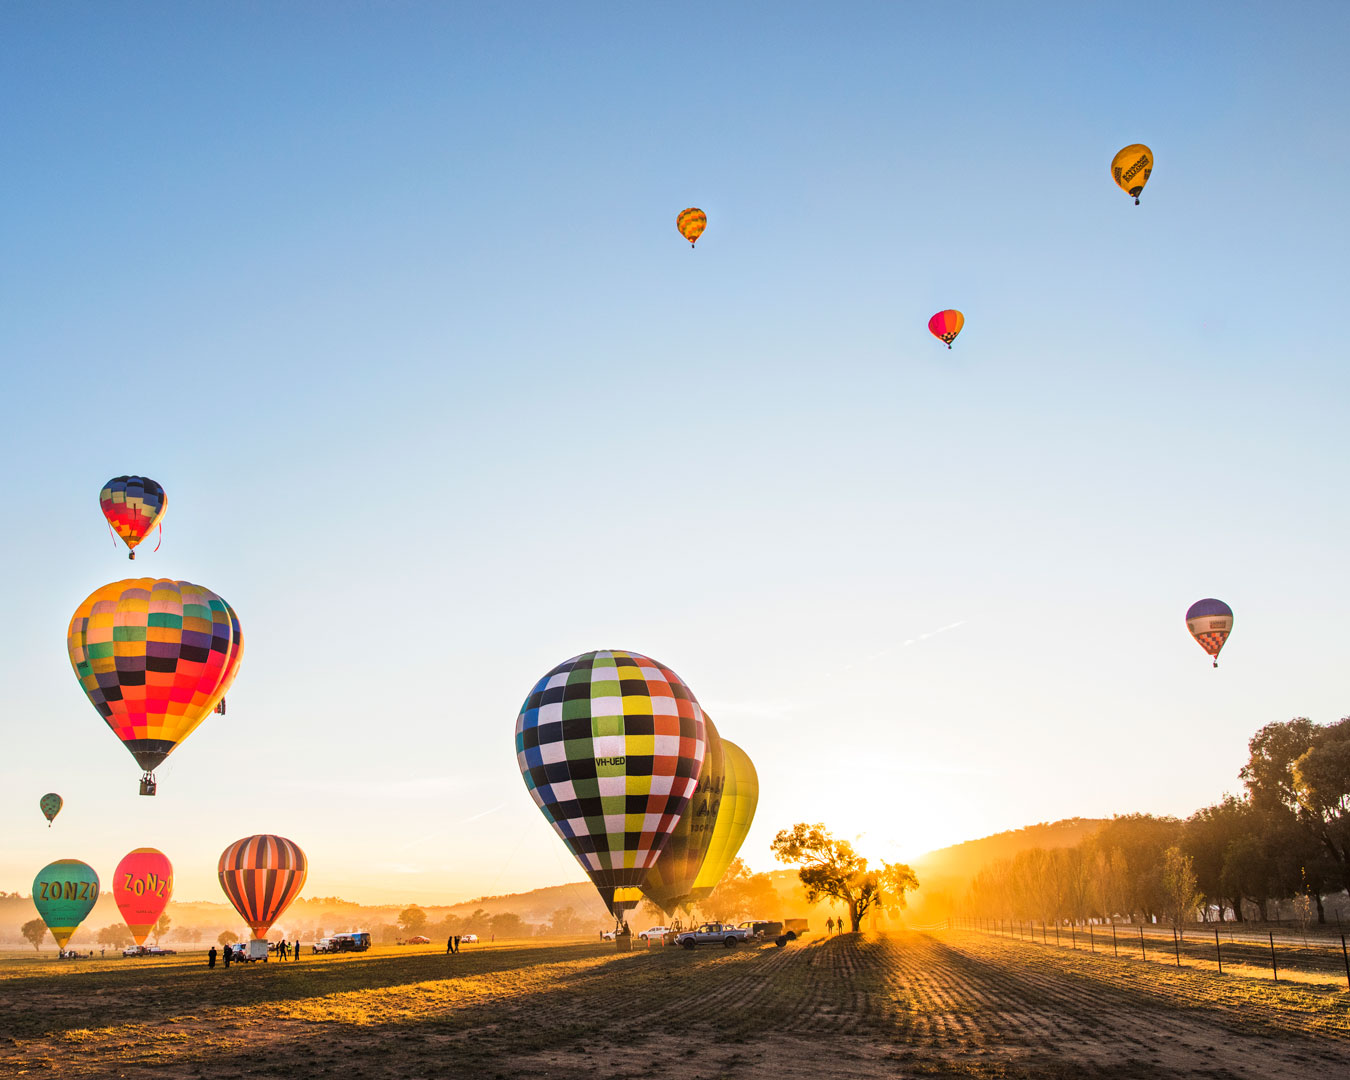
x,y
154,658
142,885
50,805
64,892
261,875
691,223
740,796
610,745
133,505
1131,168
945,325
671,879
1210,622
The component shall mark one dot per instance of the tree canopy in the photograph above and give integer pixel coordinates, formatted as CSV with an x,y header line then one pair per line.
x,y
831,868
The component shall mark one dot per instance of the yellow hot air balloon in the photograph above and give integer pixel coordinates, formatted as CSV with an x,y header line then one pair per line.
x,y
1131,169
691,222
670,881
740,796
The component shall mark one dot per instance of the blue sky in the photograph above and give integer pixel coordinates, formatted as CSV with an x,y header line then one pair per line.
x,y
390,298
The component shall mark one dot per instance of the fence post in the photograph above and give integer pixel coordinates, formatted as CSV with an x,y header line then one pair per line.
x,y
1176,946
1346,957
1073,933
1114,949
1274,968
1057,933
1092,943
1143,952
1217,950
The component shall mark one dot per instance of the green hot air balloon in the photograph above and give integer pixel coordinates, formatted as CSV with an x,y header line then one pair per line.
x,y
735,812
50,805
64,892
670,882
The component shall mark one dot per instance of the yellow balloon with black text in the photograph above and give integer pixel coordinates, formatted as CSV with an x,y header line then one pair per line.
x,y
1131,168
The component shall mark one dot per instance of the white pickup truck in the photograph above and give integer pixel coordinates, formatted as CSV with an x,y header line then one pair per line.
x,y
713,933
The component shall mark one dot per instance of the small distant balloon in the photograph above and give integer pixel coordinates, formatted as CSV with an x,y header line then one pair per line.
x,y
50,805
1131,168
64,892
1210,622
133,505
142,885
945,325
691,222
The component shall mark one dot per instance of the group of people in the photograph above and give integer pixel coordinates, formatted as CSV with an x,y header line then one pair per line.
x,y
284,950
830,925
452,944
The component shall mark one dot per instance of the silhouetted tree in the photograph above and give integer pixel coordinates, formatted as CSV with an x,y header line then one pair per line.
x,y
34,930
413,920
831,868
117,936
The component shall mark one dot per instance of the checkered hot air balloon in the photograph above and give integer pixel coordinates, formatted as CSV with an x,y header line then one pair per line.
x,y
261,875
1210,622
735,812
133,505
610,745
154,658
945,325
691,222
671,879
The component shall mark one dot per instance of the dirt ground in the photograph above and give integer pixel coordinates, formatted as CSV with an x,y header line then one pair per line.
x,y
955,1004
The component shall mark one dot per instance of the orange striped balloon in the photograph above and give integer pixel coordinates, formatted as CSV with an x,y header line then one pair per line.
x,y
691,223
261,875
945,325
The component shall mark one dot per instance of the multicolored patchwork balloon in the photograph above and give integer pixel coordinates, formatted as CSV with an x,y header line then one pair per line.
x,y
133,505
142,885
740,796
691,222
1210,622
945,325
154,658
64,892
261,875
1131,168
671,879
610,745
50,804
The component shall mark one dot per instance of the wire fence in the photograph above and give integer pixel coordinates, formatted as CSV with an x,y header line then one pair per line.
x,y
1282,954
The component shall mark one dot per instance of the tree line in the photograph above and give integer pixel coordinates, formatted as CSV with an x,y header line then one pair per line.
x,y
1284,839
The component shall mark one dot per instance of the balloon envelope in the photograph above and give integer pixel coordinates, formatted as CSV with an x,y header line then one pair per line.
x,y
154,658
945,325
740,796
1210,622
610,745
261,875
133,506
671,879
64,892
691,222
50,805
1131,168
142,885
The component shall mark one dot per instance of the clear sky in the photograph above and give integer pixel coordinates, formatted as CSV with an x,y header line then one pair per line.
x,y
390,299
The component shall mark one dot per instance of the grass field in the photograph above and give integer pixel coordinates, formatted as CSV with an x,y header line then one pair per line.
x,y
953,1004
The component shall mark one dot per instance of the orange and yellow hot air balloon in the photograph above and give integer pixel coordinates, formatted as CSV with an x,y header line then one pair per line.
x,y
1131,168
735,812
691,222
945,325
154,658
261,875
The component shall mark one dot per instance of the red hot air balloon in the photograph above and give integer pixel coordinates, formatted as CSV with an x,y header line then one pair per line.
x,y
261,875
142,885
945,325
133,505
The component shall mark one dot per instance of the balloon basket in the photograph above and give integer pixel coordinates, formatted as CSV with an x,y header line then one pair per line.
x,y
148,784
623,942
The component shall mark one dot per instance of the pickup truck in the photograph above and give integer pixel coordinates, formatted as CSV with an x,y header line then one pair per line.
x,y
713,933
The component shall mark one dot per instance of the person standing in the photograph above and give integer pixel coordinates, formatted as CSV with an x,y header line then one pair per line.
x,y
456,944
829,926
228,952
211,957
297,949
449,944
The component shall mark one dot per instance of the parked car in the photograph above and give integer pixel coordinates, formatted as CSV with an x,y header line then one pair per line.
x,y
148,950
417,939
653,933
761,928
471,938
607,935
713,933
358,941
